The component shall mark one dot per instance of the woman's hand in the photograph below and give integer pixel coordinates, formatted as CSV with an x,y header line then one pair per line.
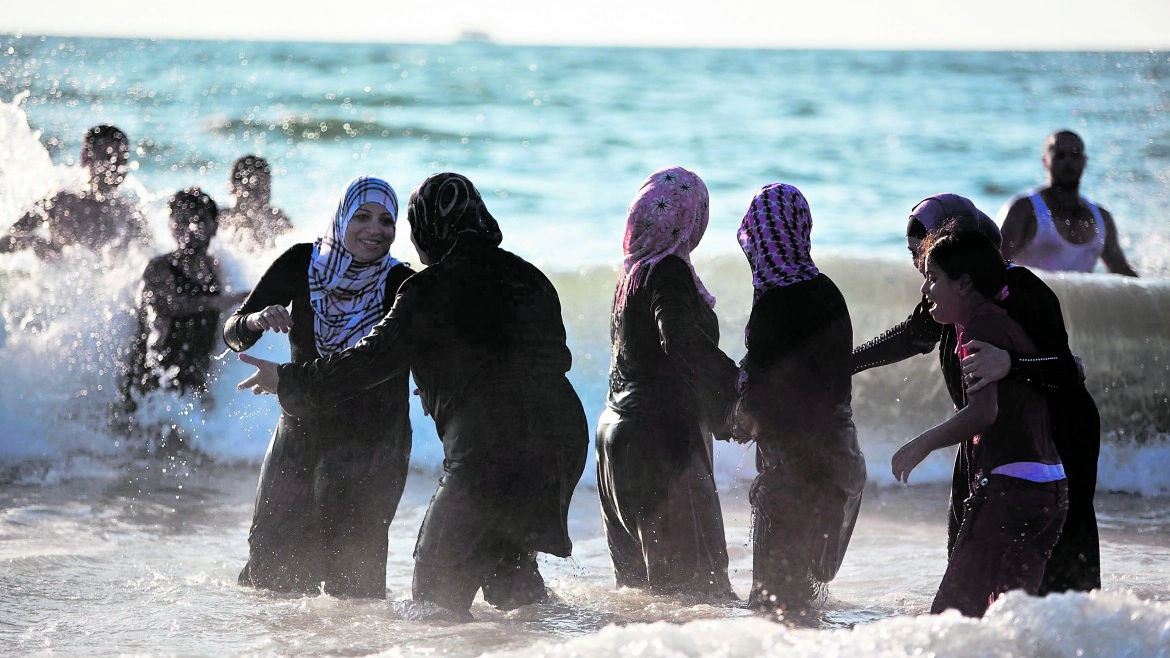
x,y
264,380
907,457
744,426
984,363
274,318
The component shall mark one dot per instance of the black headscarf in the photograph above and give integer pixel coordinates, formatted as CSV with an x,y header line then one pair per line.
x,y
444,207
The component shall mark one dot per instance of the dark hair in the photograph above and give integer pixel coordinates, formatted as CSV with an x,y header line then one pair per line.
x,y
248,165
196,201
104,133
1065,132
967,252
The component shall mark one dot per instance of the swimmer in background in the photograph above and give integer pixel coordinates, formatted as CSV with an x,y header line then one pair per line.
x,y
1055,228
179,303
96,217
250,220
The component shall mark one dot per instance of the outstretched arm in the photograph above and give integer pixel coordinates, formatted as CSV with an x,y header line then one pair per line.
x,y
385,352
20,235
986,363
325,382
917,334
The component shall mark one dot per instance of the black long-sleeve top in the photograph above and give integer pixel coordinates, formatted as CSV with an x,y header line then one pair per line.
x,y
482,332
666,357
1030,302
286,282
798,364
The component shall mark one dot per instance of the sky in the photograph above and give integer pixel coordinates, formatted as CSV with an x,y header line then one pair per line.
x,y
881,24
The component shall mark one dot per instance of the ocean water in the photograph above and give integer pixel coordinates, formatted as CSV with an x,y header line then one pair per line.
x,y
106,549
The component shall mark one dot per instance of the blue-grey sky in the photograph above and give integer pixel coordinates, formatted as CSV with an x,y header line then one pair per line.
x,y
899,24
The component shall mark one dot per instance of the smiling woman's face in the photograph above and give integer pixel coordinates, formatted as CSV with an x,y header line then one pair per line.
x,y
370,232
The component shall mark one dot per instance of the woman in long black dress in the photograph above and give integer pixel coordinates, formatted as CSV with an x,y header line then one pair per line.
x,y
795,405
670,387
481,330
1075,563
331,480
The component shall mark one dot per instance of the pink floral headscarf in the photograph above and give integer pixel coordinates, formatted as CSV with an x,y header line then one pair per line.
x,y
668,217
775,238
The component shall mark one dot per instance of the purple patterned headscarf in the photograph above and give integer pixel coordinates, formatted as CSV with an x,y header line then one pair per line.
x,y
668,217
774,236
347,295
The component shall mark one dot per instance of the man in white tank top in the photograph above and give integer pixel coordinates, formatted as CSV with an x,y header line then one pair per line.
x,y
1055,228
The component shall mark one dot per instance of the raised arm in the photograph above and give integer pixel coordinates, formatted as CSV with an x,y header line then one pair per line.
x,y
20,235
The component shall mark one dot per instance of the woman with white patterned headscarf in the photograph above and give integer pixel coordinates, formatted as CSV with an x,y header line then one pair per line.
x,y
331,480
795,404
481,331
670,387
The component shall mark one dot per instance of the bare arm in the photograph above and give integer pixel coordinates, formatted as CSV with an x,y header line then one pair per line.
x,y
1113,256
1018,227
980,412
20,236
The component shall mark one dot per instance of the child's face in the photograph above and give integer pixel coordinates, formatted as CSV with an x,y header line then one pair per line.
x,y
192,231
107,162
946,295
253,187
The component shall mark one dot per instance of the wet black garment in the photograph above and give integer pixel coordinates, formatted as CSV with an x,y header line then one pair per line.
x,y
331,480
177,354
812,473
482,333
669,387
1075,422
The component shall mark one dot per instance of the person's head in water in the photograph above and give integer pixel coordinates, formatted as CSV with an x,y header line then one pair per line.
x,y
1064,159
105,152
940,210
250,182
443,208
962,270
194,220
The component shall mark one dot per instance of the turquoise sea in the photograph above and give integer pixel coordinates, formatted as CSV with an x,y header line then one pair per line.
x,y
105,551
